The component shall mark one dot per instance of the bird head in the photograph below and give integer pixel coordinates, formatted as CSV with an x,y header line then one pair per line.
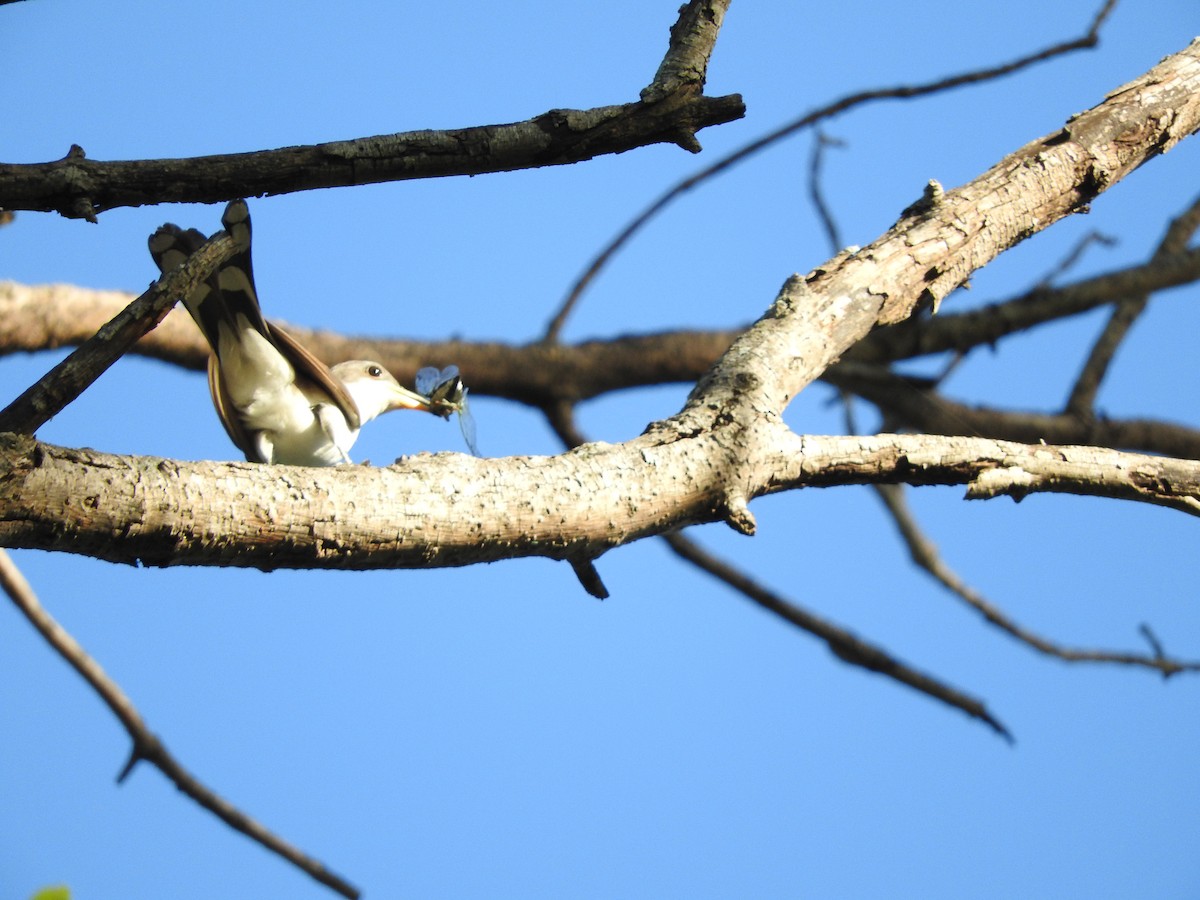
x,y
375,390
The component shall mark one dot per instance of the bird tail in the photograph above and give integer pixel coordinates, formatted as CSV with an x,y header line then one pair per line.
x,y
229,292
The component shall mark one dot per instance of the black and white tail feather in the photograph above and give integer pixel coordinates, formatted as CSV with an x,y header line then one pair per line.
x,y
277,401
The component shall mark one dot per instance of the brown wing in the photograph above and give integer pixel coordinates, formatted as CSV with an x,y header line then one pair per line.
x,y
227,414
307,367
312,369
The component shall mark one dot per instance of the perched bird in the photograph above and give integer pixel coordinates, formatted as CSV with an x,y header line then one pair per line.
x,y
277,401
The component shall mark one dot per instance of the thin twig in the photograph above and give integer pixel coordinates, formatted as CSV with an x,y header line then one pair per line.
x,y
67,380
1155,644
146,745
1072,259
963,331
1082,399
561,417
1089,39
845,646
821,142
927,557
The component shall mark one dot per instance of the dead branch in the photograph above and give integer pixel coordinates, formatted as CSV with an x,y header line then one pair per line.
x,y
927,557
672,112
1082,399
147,746
845,645
70,378
149,511
1089,39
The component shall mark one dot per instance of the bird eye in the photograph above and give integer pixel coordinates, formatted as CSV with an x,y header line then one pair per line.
x,y
374,371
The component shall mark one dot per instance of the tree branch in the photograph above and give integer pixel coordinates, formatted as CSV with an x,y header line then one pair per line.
x,y
671,111
919,407
1089,39
453,509
1082,399
727,446
842,643
693,36
146,745
926,556
70,378
964,331
41,317
1072,258
845,645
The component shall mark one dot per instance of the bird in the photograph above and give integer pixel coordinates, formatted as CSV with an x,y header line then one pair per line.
x,y
278,402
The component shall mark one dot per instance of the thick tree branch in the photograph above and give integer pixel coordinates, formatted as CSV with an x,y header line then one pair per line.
x,y
693,36
452,510
146,744
817,318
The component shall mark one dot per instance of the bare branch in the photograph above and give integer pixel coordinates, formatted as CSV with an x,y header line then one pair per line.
x,y
431,511
963,331
1089,39
926,556
40,317
1072,258
845,645
725,447
71,377
909,404
693,36
146,745
1082,399
671,110
822,142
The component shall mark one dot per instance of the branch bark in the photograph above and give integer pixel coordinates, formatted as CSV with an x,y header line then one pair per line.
x,y
671,110
451,509
66,381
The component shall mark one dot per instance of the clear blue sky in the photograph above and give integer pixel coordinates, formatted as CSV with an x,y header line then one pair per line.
x,y
493,732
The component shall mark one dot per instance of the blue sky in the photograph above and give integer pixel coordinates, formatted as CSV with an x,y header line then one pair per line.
x,y
494,732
